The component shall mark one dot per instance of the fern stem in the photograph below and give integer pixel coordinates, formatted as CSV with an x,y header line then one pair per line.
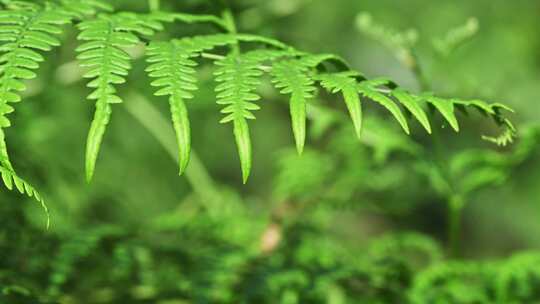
x,y
212,56
160,128
455,206
230,25
265,68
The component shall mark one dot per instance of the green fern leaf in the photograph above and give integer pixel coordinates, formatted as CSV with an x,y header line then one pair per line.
x,y
173,67
238,75
346,83
446,108
291,77
12,181
369,89
79,9
108,65
409,101
25,28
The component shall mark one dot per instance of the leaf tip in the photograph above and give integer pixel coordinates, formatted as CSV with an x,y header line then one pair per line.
x,y
299,147
358,130
245,177
183,163
428,128
406,129
89,172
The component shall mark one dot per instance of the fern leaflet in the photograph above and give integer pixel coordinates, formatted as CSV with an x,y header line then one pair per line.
x,y
346,83
409,102
368,88
108,65
238,75
291,77
446,108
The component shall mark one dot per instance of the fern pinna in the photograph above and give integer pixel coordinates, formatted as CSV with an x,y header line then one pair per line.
x,y
291,77
26,28
108,64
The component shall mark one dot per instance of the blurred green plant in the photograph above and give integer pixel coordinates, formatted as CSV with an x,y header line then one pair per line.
x,y
454,177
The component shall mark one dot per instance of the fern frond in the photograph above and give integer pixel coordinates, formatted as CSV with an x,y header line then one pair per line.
x,y
291,77
346,83
25,29
108,65
174,69
238,75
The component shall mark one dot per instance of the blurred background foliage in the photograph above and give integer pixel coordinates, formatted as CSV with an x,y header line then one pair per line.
x,y
346,222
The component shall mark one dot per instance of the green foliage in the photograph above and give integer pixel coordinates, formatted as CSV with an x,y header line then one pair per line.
x,y
174,68
103,54
26,29
291,77
399,42
456,37
409,102
517,280
73,251
108,65
341,220
347,85
453,282
238,76
514,280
